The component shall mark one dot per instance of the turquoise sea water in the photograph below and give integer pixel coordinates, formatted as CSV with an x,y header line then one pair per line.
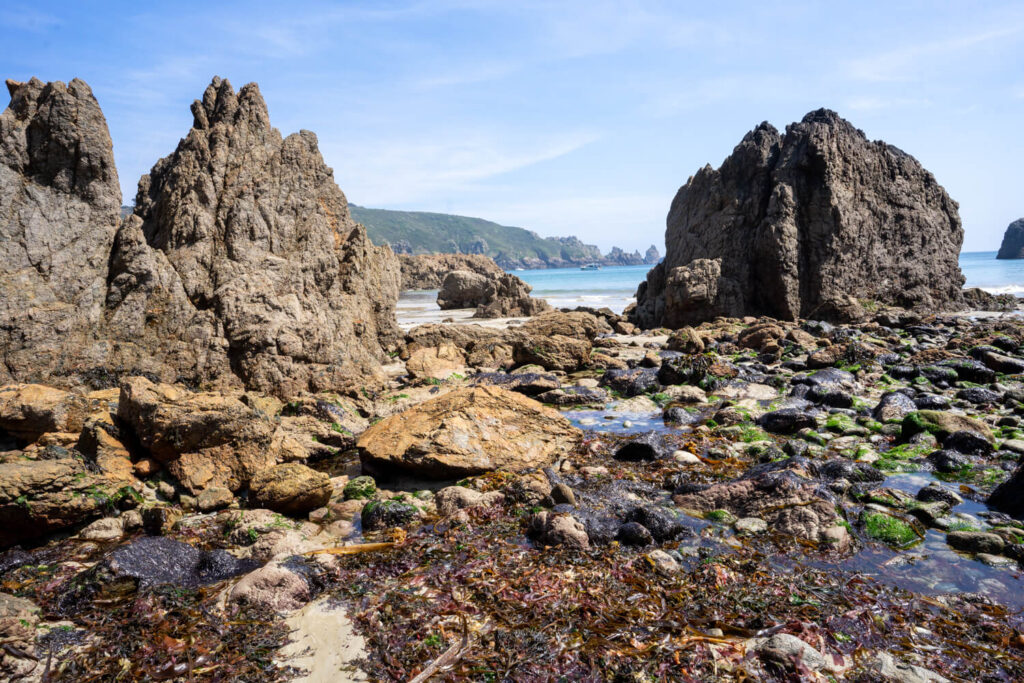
x,y
614,286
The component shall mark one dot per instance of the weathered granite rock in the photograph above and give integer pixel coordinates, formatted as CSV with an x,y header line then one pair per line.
x,y
806,224
60,202
427,271
240,266
467,432
203,439
291,488
493,295
1012,246
38,497
256,231
30,410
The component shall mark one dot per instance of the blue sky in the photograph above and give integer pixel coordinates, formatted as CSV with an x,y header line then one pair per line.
x,y
564,117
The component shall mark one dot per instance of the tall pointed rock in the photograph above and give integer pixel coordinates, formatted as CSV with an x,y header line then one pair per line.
x,y
242,251
59,211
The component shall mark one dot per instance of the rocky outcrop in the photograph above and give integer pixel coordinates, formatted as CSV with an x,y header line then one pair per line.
x,y
59,202
617,257
240,264
258,234
467,432
427,271
501,296
652,255
1013,241
811,223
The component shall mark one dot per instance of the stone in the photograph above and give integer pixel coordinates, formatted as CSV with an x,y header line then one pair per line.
x,y
574,396
427,271
686,340
453,498
771,231
213,499
291,489
892,670
1012,246
467,432
360,488
792,654
269,219
103,530
39,497
60,200
894,405
555,352
1008,497
273,586
203,439
634,534
786,421
663,562
646,447
439,362
631,382
549,528
784,499
27,411
494,295
943,423
976,542
750,526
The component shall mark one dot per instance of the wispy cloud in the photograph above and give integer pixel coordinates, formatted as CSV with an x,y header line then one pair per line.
x,y
402,171
902,64
468,75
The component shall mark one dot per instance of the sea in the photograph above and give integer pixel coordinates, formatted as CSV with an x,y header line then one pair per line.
x,y
615,286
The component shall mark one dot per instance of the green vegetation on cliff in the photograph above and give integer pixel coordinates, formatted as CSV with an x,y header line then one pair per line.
x,y
420,232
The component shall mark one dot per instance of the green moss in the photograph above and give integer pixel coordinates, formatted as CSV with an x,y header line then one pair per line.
x,y
360,488
839,423
888,529
720,516
750,433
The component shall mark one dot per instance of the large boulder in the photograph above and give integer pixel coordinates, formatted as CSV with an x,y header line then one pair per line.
x,y
468,432
427,271
204,439
806,224
493,295
28,411
60,206
59,490
1013,241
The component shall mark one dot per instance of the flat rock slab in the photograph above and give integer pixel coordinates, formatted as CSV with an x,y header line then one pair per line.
x,y
467,432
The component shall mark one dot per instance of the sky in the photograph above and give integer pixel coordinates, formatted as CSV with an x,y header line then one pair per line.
x,y
567,118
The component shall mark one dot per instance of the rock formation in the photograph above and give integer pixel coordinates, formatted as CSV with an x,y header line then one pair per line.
x,y
240,264
427,271
652,255
59,202
806,224
466,432
494,296
1013,241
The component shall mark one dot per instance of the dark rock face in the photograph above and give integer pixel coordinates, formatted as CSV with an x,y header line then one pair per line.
x,y
805,224
240,266
60,203
1013,241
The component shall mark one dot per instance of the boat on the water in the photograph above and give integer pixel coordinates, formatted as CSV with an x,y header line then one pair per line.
x,y
590,266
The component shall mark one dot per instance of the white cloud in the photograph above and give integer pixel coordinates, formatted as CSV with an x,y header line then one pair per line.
x,y
411,170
